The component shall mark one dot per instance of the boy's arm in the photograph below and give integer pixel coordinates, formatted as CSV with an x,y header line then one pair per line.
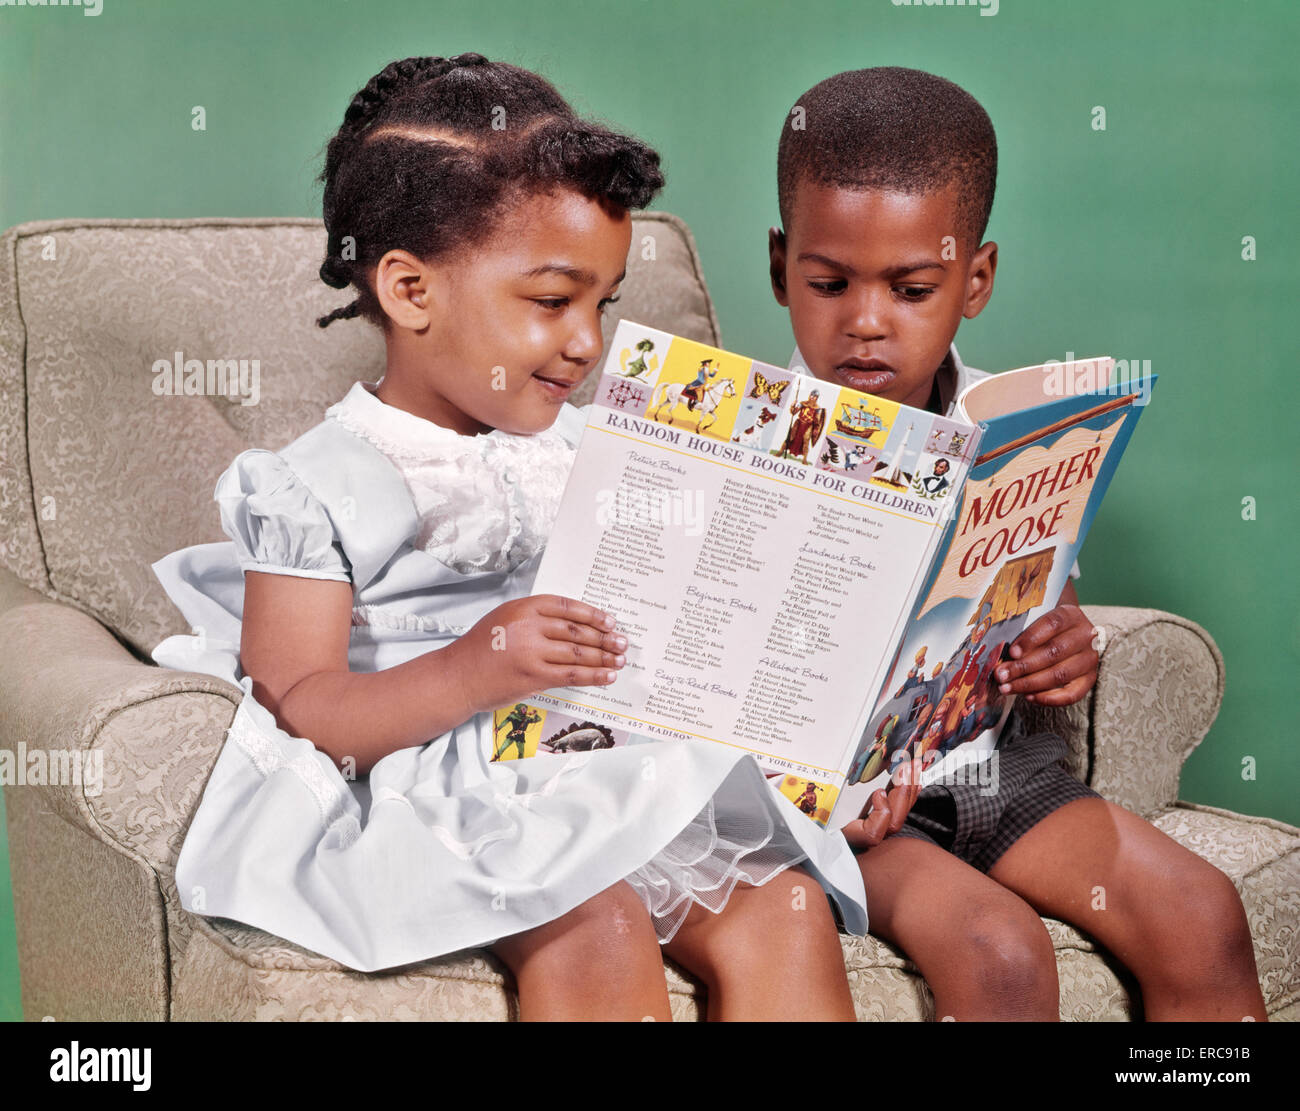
x,y
1054,661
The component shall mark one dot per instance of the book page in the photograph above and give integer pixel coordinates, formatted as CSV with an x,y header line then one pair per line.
x,y
760,550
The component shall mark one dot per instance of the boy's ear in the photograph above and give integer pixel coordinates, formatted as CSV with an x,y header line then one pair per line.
x,y
776,265
979,279
404,289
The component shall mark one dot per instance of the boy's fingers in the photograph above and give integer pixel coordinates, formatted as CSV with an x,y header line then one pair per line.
x,y
1052,624
1068,694
1069,646
570,609
869,830
1047,672
1042,630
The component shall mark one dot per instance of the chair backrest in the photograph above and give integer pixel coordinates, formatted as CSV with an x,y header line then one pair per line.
x,y
102,471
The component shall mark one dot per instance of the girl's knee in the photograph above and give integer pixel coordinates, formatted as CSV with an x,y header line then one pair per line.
x,y
610,933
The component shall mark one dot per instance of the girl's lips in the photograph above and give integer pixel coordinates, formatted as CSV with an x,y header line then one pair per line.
x,y
556,387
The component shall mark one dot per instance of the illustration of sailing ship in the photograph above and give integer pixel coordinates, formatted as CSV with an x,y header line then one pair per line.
x,y
857,422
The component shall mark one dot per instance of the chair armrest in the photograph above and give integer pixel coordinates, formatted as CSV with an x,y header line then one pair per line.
x,y
75,699
1158,691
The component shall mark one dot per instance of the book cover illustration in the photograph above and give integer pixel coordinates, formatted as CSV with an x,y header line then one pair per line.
x,y
1020,518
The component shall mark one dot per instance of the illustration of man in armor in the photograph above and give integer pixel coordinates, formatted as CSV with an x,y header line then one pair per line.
x,y
807,419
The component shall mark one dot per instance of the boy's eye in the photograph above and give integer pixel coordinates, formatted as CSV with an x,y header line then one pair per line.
x,y
914,292
828,287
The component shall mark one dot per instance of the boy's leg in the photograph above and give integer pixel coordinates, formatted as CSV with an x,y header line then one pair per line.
x,y
983,950
600,961
1173,919
772,954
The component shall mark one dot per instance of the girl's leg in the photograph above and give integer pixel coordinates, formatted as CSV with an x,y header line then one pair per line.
x,y
772,954
600,961
1173,919
983,951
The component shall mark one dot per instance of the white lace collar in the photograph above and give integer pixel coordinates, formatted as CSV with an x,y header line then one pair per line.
x,y
486,503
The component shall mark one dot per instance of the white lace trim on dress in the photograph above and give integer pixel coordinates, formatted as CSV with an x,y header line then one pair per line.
x,y
486,503
704,862
267,758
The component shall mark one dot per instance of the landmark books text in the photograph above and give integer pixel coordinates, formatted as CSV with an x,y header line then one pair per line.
x,y
818,576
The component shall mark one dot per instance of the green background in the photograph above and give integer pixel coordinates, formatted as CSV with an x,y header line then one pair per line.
x,y
1126,241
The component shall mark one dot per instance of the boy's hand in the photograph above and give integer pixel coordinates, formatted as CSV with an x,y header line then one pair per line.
x,y
1053,661
885,813
533,644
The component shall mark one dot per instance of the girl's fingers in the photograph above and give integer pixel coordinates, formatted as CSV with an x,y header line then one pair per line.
x,y
571,610
571,632
581,677
561,653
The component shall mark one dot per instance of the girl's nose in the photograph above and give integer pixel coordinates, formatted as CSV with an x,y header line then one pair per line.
x,y
586,342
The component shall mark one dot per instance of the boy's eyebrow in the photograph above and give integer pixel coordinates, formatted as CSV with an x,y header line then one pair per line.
x,y
892,272
582,277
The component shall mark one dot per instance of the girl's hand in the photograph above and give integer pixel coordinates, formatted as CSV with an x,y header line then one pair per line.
x,y
533,644
1053,662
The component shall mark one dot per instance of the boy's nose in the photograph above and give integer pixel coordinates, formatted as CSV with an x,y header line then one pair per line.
x,y
867,314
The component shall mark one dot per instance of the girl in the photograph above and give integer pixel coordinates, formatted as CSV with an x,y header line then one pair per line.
x,y
376,595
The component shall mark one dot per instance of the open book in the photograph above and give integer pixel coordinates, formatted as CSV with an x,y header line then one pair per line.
x,y
821,577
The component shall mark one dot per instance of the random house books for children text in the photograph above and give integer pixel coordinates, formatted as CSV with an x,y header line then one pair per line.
x,y
821,577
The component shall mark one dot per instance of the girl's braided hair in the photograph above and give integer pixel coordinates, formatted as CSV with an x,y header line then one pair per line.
x,y
432,151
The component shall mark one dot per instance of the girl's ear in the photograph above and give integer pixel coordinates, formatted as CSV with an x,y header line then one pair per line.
x,y
776,263
404,287
979,279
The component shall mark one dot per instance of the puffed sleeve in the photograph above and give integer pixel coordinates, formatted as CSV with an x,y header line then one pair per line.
x,y
276,522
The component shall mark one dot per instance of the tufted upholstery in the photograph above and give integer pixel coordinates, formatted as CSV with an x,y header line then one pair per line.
x,y
99,477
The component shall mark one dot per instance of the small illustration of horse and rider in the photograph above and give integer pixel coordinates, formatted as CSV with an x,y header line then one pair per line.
x,y
704,392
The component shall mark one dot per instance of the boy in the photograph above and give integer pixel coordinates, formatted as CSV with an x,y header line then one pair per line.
x,y
886,179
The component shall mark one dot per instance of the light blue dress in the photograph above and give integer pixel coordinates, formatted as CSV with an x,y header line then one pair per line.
x,y
440,849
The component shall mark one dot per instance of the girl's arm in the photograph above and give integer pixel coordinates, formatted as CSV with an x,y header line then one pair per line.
x,y
294,645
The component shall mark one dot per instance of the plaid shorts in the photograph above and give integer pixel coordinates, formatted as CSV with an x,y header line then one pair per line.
x,y
977,824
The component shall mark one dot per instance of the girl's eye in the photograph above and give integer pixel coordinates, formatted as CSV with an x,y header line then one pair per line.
x,y
915,292
552,303
830,287
606,303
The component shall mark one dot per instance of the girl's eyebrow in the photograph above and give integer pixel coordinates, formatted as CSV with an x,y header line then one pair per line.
x,y
582,277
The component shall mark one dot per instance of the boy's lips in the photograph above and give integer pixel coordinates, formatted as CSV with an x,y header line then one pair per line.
x,y
865,375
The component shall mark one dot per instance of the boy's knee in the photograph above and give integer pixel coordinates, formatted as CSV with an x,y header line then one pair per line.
x,y
1009,954
1203,931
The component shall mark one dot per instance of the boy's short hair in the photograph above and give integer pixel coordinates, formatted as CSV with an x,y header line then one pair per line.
x,y
891,128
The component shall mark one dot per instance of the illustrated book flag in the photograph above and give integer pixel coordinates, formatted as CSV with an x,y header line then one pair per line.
x,y
821,577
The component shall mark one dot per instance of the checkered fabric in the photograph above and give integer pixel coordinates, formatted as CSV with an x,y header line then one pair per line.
x,y
978,824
